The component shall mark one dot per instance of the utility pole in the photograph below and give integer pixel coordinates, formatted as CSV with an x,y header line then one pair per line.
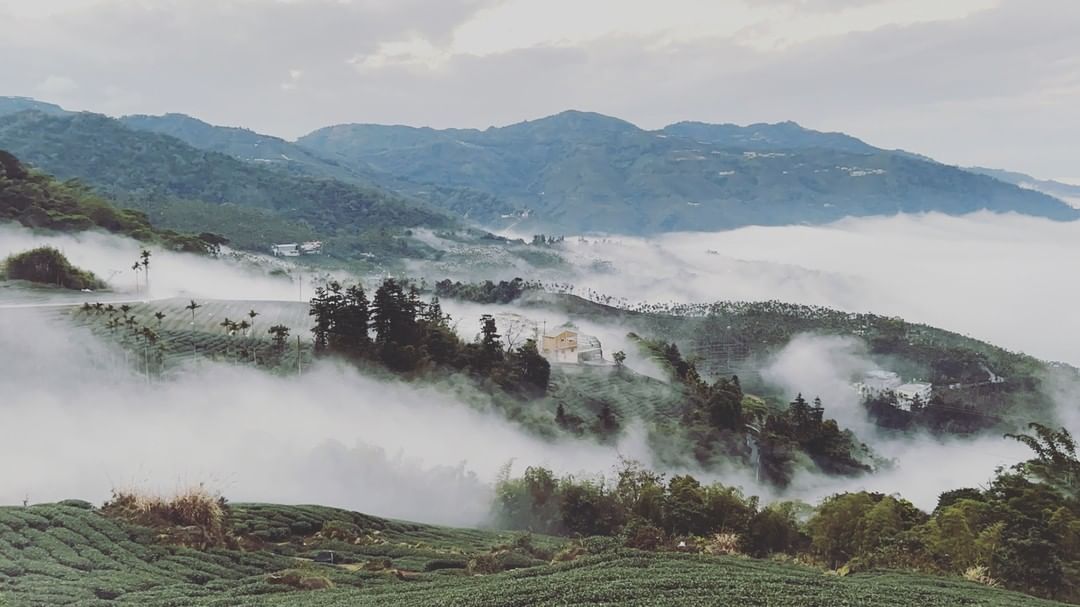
x,y
299,369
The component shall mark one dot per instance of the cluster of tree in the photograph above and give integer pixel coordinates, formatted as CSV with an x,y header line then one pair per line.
x,y
407,335
121,322
1022,531
717,423
47,265
39,201
486,292
646,509
543,240
936,415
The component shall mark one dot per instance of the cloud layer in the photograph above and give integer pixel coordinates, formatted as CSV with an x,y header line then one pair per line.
x,y
972,82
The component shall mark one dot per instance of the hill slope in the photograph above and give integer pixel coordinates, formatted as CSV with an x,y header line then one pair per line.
x,y
39,201
1067,192
70,555
578,171
159,173
277,153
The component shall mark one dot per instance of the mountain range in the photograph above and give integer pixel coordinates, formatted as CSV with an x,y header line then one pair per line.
x,y
573,172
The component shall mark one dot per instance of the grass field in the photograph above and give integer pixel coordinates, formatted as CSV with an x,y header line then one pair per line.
x,y
71,555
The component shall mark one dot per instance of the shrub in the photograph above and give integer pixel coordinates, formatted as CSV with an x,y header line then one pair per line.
x,y
440,564
723,543
300,580
341,531
642,535
47,265
980,575
197,517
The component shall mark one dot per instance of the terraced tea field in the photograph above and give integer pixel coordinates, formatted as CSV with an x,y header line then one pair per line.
x,y
71,555
583,390
178,336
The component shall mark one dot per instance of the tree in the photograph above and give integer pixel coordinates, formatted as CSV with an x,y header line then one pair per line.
x,y
319,307
251,315
160,316
280,335
192,307
619,358
1055,461
145,255
491,351
534,371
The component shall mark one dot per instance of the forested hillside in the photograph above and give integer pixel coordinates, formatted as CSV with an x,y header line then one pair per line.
x,y
37,200
579,171
158,174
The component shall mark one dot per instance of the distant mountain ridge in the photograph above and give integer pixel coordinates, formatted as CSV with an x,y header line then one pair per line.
x,y
586,172
182,187
580,171
1066,192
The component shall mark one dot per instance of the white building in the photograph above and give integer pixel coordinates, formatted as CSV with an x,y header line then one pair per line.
x,y
286,250
907,394
877,383
311,247
292,249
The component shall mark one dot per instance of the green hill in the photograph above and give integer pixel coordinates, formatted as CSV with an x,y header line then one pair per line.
x,y
176,184
36,200
70,555
763,136
579,171
276,153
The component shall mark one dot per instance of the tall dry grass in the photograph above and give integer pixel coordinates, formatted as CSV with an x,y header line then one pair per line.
x,y
195,512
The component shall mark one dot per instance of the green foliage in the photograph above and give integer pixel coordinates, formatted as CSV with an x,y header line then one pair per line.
x,y
47,265
412,336
66,556
39,201
486,292
580,172
157,172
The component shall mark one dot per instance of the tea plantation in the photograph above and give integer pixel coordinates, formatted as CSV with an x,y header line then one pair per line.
x,y
71,554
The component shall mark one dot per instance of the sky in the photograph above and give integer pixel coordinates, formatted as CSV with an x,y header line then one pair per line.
x,y
971,82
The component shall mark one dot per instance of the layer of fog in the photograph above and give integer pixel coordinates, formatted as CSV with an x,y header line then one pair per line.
x,y
922,466
1006,279
172,274
77,423
340,438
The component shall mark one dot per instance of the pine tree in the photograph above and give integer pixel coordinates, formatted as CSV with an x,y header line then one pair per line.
x,y
320,309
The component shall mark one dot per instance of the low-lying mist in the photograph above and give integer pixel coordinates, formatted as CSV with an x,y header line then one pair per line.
x,y
77,423
171,274
1001,278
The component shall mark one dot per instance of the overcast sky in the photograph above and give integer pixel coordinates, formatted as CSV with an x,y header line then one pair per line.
x,y
987,82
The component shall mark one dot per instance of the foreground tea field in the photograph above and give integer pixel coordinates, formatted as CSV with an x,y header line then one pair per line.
x,y
71,555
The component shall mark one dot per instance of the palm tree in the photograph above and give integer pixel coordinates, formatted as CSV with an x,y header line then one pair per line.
x,y
252,314
193,306
136,267
125,309
145,255
149,338
159,315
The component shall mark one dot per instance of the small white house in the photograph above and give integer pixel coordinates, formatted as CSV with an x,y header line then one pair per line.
x,y
907,394
877,383
286,250
311,247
